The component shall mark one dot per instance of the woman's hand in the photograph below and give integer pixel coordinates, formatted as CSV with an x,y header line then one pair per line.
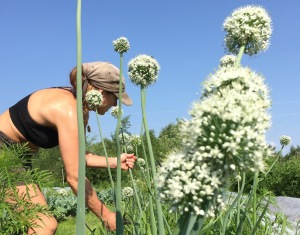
x,y
110,221
127,160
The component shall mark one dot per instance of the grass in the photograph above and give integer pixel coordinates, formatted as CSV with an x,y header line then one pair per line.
x,y
68,227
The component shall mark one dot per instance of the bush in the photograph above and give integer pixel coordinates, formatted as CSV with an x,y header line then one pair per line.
x,y
17,213
62,202
284,178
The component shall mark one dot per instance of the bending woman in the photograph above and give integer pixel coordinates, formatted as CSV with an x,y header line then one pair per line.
x,y
48,118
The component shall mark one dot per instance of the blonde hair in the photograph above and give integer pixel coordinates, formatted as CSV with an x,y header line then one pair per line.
x,y
73,81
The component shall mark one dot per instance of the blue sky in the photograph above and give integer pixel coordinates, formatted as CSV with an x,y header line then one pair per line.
x,y
38,50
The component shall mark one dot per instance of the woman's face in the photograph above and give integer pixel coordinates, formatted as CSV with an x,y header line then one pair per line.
x,y
109,100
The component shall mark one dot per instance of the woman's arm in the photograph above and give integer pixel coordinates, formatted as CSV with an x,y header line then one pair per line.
x,y
127,161
68,143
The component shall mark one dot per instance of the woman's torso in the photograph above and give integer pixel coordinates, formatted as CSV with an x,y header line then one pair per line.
x,y
33,119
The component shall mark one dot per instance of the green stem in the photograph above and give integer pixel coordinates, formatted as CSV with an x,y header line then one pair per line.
x,y
239,57
120,226
255,183
159,212
105,152
80,213
278,155
150,195
238,205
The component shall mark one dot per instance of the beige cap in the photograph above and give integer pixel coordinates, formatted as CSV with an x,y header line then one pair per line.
x,y
104,75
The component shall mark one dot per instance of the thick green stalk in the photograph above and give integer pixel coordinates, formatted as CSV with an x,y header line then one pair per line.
x,y
120,226
161,230
105,152
238,205
150,195
80,213
239,57
184,224
254,188
131,177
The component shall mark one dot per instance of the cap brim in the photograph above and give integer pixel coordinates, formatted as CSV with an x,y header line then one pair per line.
x,y
125,98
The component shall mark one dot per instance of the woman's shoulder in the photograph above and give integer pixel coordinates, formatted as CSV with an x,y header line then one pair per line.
x,y
52,104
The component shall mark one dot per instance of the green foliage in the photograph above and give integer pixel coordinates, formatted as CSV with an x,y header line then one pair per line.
x,y
284,178
62,203
50,160
169,140
17,213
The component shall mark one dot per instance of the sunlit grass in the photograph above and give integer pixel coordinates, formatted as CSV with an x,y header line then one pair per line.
x,y
68,227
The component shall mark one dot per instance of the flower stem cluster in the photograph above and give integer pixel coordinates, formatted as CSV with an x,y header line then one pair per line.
x,y
130,141
285,140
228,61
121,45
225,135
143,70
127,192
115,112
248,26
94,98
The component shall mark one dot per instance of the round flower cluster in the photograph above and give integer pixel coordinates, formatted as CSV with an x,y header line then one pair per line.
x,y
225,135
115,112
135,140
124,138
121,45
248,26
228,61
285,140
129,149
127,192
188,185
141,161
143,70
94,98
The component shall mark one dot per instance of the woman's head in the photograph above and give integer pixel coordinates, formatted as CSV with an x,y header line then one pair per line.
x,y
101,75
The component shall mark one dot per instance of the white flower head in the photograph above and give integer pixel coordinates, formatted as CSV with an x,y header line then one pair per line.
x,y
135,140
285,140
141,161
143,70
129,149
94,98
127,192
121,45
249,26
115,112
124,138
228,61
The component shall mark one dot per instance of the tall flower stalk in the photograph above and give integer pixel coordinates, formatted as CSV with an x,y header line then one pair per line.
x,y
121,45
143,71
94,99
226,133
80,218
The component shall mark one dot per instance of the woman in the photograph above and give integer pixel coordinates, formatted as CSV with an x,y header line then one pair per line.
x,y
48,117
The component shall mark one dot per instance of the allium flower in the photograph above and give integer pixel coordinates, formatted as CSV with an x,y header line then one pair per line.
x,y
115,112
135,140
143,70
94,99
249,26
124,138
285,140
225,135
127,192
129,149
141,161
228,61
121,45
63,191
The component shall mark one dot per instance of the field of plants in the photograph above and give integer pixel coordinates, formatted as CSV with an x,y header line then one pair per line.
x,y
214,173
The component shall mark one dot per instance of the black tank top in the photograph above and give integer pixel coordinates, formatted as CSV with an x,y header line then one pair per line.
x,y
42,136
